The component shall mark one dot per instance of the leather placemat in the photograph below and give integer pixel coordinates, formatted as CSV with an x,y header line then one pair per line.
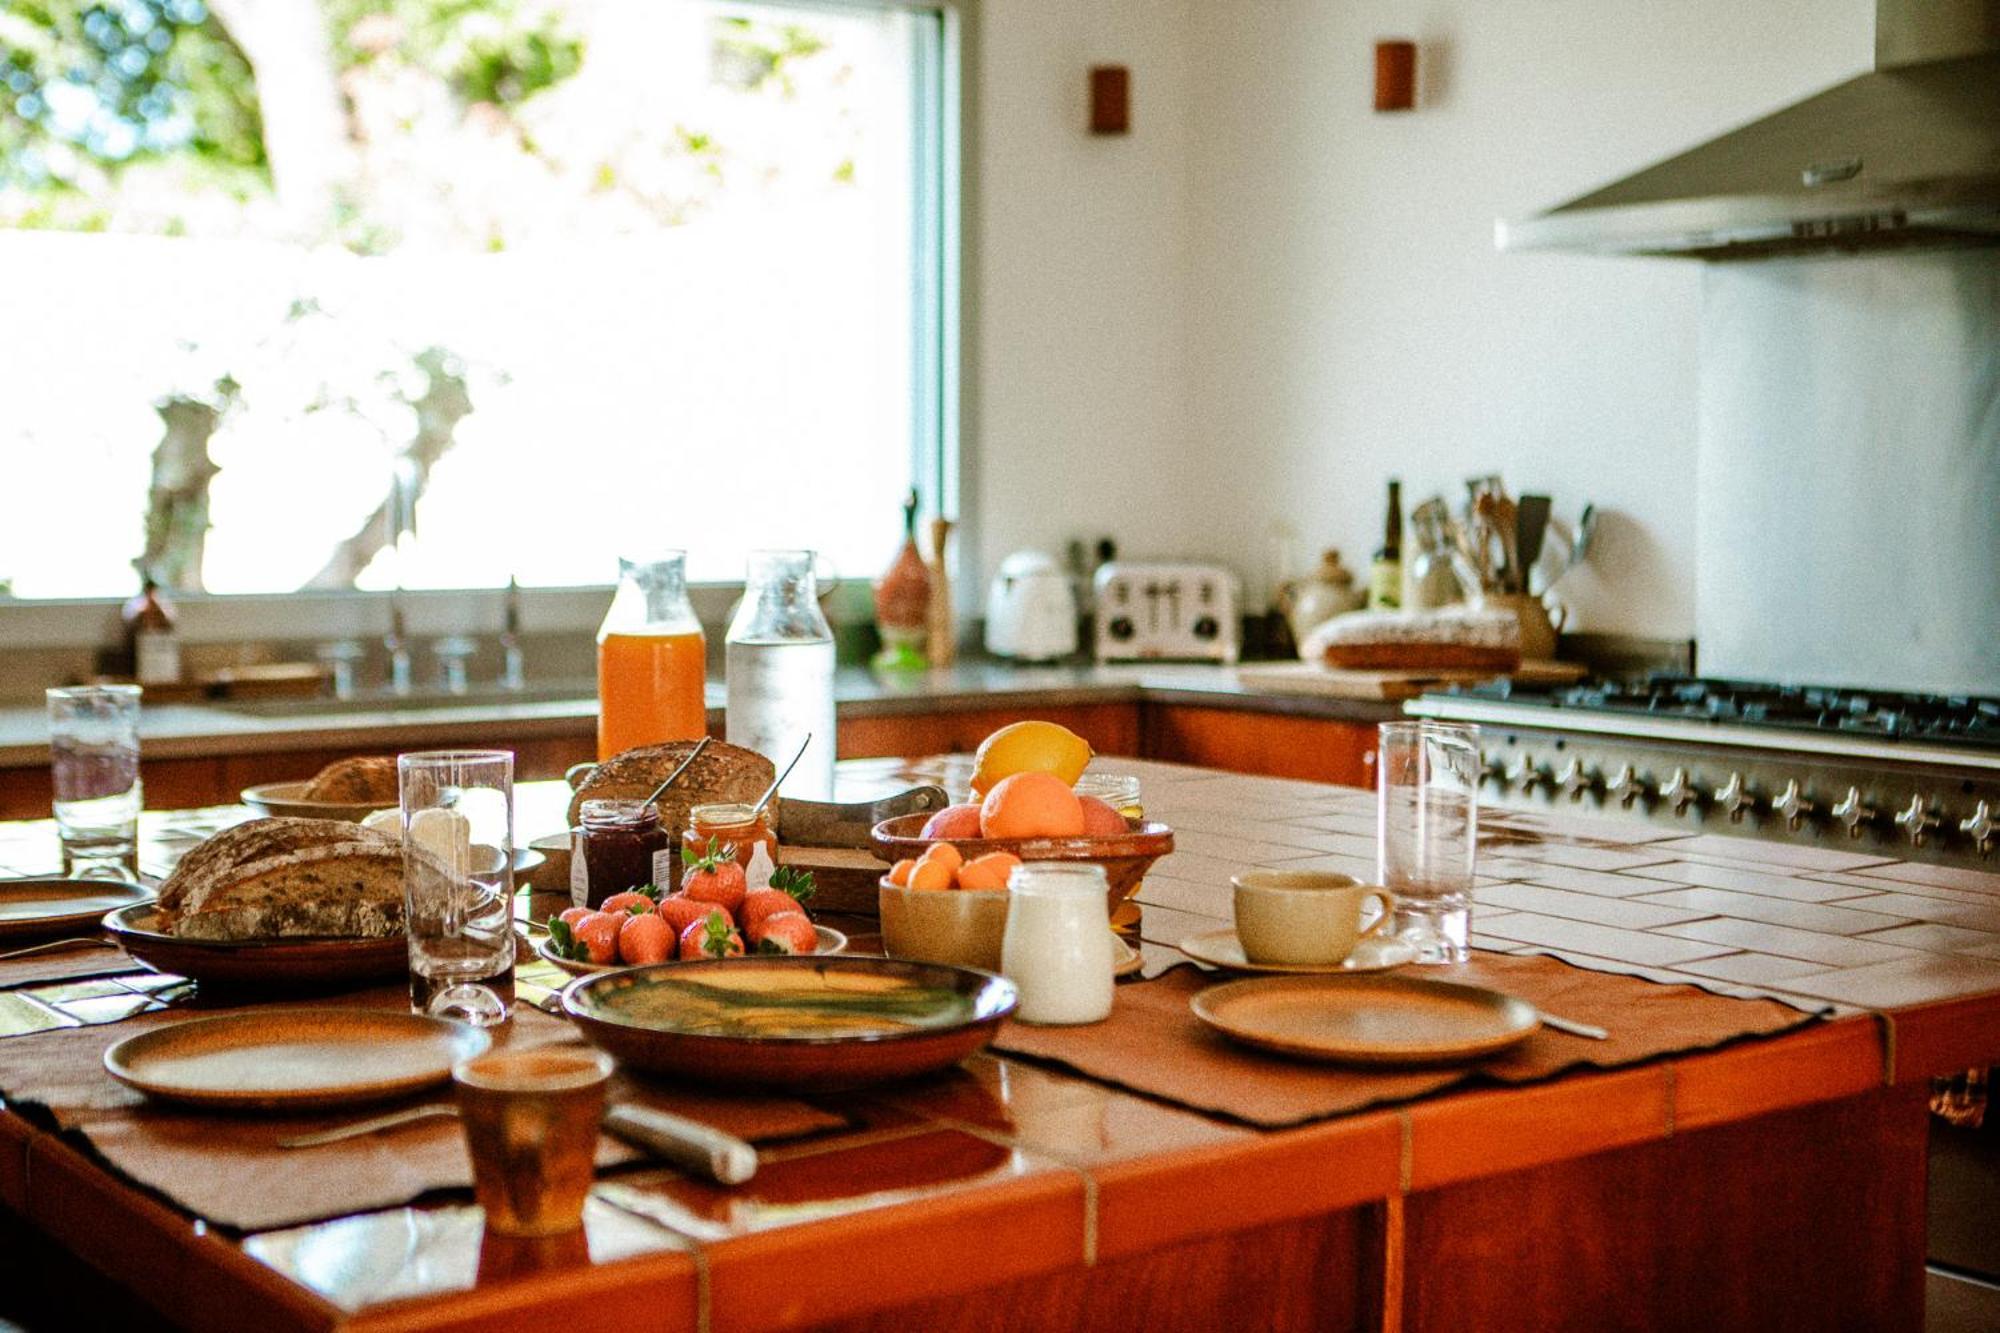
x,y
228,1169
65,964
1153,1043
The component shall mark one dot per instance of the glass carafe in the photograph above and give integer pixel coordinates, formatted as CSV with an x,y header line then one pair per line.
x,y
780,671
651,659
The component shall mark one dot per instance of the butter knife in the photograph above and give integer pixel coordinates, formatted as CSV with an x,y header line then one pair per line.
x,y
702,1149
1574,1028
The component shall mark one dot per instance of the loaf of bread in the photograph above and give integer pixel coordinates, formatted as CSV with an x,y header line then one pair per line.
x,y
370,780
1455,639
722,772
287,878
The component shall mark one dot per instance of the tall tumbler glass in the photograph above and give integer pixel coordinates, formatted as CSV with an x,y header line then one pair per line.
x,y
94,749
1427,832
458,881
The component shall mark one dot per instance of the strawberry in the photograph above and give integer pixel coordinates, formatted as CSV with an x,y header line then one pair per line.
x,y
645,938
787,932
680,911
711,937
598,934
572,915
629,901
788,892
716,878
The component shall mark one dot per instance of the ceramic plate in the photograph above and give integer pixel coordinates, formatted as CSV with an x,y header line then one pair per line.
x,y
830,941
814,1023
294,1059
30,907
1221,948
1373,1020
1125,960
298,963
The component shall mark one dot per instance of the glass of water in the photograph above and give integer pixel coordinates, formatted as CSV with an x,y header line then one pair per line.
x,y
1427,832
94,749
458,881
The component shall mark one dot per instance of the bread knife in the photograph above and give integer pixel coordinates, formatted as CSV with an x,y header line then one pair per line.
x,y
833,824
702,1149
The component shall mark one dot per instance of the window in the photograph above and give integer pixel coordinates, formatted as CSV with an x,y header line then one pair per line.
x,y
352,293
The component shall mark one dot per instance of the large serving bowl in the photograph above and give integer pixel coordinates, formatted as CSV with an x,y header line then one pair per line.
x,y
1126,857
297,963
813,1023
960,927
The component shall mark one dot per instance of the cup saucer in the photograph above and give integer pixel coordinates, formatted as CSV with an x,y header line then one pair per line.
x,y
1221,948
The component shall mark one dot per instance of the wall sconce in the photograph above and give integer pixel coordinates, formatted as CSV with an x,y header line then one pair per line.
x,y
1110,99
1395,76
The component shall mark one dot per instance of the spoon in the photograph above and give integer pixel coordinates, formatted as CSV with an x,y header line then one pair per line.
x,y
772,790
674,776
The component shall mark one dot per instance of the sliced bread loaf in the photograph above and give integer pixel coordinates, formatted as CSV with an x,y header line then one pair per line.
x,y
273,878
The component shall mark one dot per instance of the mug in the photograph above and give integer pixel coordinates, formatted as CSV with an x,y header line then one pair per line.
x,y
1304,918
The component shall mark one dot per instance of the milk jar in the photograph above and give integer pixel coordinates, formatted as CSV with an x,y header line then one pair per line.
x,y
1057,948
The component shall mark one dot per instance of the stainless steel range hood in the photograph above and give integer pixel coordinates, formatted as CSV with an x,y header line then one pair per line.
x,y
1908,155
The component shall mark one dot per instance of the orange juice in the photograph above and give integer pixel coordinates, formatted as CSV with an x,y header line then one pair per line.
x,y
649,689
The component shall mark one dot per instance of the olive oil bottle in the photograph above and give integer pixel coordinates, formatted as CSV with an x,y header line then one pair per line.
x,y
1385,571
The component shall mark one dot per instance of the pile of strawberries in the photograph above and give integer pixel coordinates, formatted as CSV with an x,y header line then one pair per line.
x,y
712,916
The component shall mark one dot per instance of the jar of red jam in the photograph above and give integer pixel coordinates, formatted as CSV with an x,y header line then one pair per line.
x,y
620,845
737,831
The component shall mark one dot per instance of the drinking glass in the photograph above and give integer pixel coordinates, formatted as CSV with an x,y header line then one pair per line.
x,y
94,749
531,1121
1427,828
458,881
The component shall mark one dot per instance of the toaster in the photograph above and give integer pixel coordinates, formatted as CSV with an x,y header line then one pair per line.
x,y
1166,612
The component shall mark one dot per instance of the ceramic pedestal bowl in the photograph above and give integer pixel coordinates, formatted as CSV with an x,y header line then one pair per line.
x,y
1126,857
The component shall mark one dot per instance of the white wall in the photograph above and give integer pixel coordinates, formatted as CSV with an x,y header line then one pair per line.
x,y
1270,298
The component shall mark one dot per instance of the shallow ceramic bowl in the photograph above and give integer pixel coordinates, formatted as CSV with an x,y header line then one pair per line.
x,y
1126,857
297,963
962,927
286,800
814,1023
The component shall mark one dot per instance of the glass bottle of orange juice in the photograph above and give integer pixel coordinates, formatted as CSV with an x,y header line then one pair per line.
x,y
651,659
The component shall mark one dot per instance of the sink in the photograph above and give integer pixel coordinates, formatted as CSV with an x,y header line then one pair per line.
x,y
484,697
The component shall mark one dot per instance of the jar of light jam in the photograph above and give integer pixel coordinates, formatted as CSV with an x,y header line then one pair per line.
x,y
619,845
738,832
1121,792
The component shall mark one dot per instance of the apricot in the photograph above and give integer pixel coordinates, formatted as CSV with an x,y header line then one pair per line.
x,y
931,874
987,872
943,852
899,873
1031,805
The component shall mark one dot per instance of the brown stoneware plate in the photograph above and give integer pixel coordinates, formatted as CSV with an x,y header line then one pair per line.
x,y
1368,1020
805,1023
299,963
1221,948
829,941
294,1059
1125,856
31,907
286,800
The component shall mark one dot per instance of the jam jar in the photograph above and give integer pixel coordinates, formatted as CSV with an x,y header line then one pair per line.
x,y
620,845
736,830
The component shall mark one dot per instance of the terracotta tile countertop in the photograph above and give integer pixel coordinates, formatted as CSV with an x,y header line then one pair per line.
x,y
1006,1170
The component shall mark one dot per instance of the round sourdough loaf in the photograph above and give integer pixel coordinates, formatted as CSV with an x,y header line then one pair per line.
x,y
370,780
286,878
721,773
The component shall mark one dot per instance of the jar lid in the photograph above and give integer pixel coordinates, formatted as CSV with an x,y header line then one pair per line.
x,y
727,814
606,810
1059,878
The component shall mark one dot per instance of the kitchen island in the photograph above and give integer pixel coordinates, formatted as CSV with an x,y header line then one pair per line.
x,y
1772,1182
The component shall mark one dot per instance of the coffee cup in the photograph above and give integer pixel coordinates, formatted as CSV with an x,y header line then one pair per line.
x,y
1304,918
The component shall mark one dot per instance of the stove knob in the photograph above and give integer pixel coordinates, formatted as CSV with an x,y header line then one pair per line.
x,y
1526,773
1626,785
1679,791
1792,805
1735,797
1852,813
1981,828
1573,781
1917,821
1495,772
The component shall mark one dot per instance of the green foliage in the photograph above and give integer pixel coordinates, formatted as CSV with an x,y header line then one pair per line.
x,y
496,51
753,54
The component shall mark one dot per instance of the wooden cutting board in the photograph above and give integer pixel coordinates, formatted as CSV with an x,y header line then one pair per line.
x,y
1310,678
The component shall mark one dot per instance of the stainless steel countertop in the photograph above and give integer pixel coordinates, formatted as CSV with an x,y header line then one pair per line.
x,y
172,731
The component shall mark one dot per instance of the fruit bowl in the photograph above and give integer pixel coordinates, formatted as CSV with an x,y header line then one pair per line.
x,y
962,927
1126,857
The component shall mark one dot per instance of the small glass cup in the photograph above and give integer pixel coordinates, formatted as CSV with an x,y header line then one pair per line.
x,y
94,751
1427,832
531,1120
458,881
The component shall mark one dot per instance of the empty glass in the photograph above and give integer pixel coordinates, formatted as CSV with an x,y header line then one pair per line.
x,y
458,881
94,750
1427,829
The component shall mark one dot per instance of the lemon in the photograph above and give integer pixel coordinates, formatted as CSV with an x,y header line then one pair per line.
x,y
1030,747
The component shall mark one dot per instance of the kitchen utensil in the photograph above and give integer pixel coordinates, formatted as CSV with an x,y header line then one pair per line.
x,y
293,1059
1031,610
1221,948
1372,1020
832,824
1125,856
295,963
1531,521
682,767
784,773
814,1023
1167,612
458,804
46,906
531,1120
1427,822
689,1144
827,940
1588,1031
372,1125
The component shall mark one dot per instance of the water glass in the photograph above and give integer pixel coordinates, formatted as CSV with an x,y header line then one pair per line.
x,y
94,749
458,881
1427,832
531,1120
